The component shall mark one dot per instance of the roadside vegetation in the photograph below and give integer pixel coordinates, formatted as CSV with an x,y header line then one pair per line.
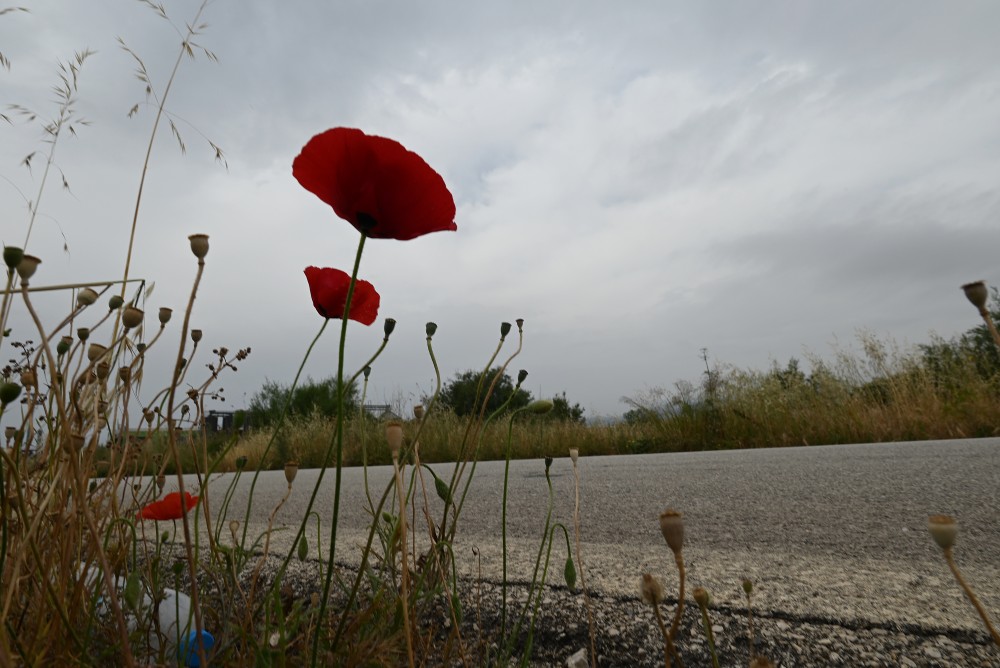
x,y
113,552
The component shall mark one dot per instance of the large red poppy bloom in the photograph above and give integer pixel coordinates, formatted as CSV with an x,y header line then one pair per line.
x,y
375,184
170,507
329,294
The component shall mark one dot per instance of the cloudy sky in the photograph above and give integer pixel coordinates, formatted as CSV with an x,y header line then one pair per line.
x,y
638,181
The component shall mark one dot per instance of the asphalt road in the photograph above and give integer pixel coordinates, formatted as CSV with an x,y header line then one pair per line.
x,y
833,533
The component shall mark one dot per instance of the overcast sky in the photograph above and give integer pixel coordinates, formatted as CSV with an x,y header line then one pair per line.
x,y
638,181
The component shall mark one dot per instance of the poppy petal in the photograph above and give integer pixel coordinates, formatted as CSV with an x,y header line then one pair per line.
x,y
328,288
376,184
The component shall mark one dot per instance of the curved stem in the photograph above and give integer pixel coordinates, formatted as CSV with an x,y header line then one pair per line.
x,y
972,596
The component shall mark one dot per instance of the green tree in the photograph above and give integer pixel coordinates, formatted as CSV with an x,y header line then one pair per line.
x,y
310,397
564,412
459,393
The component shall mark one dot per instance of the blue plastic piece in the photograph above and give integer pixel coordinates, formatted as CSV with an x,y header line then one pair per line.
x,y
188,650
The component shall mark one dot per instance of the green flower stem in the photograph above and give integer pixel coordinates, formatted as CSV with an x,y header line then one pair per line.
x,y
503,526
707,625
274,434
535,588
339,437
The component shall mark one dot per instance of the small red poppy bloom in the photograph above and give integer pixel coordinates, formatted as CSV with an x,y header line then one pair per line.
x,y
329,294
375,184
170,507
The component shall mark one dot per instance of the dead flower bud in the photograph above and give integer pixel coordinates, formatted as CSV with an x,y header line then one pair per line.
x,y
672,527
943,529
650,589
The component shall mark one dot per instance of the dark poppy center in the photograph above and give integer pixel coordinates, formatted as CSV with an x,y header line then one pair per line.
x,y
366,221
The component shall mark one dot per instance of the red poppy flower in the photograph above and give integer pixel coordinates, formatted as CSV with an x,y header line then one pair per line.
x,y
170,507
329,293
375,184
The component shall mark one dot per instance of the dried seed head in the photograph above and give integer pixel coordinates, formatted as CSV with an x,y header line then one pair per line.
x,y
9,433
199,245
103,369
28,379
132,316
701,597
291,470
574,454
672,527
196,335
977,293
394,436
96,351
944,530
27,266
86,297
747,586
83,333
367,372
520,324
650,590
504,329
164,314
124,373
64,345
161,481
115,302
418,412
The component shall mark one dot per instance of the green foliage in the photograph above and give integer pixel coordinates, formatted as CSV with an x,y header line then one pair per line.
x,y
459,394
564,412
309,398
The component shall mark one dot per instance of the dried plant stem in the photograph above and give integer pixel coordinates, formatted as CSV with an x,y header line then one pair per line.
x,y
988,319
668,645
753,653
583,568
175,455
948,557
405,580
679,560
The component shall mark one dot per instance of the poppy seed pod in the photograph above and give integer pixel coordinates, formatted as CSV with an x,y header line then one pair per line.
x,y
95,351
27,266
12,256
115,302
650,590
520,324
196,335
977,293
291,470
10,433
9,392
86,297
124,374
504,329
76,442
28,379
64,345
199,245
394,436
103,369
140,347
431,328
83,333
390,325
418,412
367,371
522,375
241,462
574,454
747,586
161,480
132,317
701,597
943,529
164,314
672,527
